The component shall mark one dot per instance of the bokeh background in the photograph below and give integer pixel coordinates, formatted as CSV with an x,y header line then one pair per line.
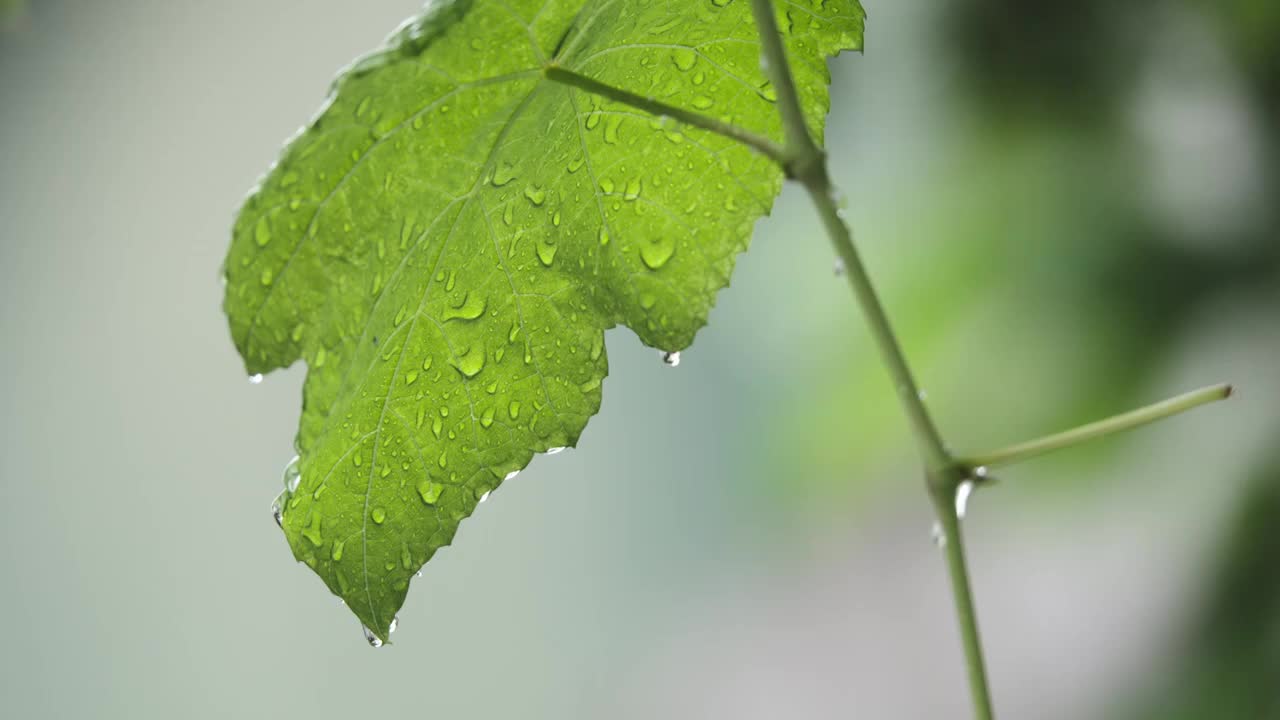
x,y
1070,209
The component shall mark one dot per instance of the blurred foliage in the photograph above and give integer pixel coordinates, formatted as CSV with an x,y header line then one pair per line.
x,y
12,13
1058,233
1096,208
1228,663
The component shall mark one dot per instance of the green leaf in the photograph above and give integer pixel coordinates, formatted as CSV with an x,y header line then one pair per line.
x,y
447,241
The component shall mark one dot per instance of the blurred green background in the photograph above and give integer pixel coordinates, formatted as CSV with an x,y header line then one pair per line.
x,y
1070,209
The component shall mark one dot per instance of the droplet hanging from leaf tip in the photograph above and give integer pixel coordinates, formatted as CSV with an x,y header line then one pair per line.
x,y
373,640
671,359
255,379
277,509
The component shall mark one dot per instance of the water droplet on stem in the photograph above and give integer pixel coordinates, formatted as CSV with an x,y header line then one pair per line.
x,y
962,497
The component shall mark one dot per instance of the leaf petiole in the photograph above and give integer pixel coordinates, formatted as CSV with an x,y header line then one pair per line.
x,y
1102,428
755,141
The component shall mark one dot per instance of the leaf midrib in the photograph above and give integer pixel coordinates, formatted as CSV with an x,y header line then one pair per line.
x,y
483,170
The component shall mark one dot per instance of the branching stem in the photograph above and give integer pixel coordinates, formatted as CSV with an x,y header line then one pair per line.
x,y
1101,428
804,160
807,163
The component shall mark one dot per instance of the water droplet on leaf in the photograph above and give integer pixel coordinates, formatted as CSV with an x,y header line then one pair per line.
x,y
430,491
292,475
655,254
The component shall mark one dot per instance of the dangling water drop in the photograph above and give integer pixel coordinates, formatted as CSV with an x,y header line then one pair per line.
x,y
277,509
980,472
374,640
671,359
292,475
962,497
255,379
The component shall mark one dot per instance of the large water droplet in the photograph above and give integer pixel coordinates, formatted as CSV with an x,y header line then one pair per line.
x,y
546,252
536,194
470,307
430,491
373,640
262,231
962,497
292,475
671,359
655,254
503,174
255,379
277,508
471,362
684,59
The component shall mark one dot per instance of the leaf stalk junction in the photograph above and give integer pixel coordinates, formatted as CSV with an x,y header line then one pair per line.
x,y
804,161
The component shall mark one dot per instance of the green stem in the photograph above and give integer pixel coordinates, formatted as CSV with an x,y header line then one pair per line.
x,y
926,431
807,163
1101,428
758,142
809,166
800,146
963,596
803,160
